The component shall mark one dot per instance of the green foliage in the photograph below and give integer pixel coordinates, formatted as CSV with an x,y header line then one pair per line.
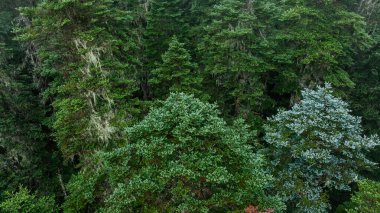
x,y
88,68
75,74
365,73
316,42
367,91
25,202
165,19
88,189
315,147
24,143
364,98
367,199
233,51
176,73
161,21
181,157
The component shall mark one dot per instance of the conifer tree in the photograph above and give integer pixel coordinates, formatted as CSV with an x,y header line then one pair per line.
x,y
77,78
315,147
165,19
365,73
233,52
24,141
365,95
316,42
182,157
89,69
177,72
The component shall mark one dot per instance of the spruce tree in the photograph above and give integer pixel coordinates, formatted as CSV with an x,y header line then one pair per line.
x,y
315,147
233,52
316,41
177,72
165,19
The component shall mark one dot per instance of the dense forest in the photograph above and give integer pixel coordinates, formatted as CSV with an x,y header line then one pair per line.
x,y
189,106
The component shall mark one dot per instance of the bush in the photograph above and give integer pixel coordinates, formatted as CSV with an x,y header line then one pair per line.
x,y
24,202
367,199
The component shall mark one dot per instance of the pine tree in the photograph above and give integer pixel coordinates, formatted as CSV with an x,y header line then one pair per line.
x,y
176,73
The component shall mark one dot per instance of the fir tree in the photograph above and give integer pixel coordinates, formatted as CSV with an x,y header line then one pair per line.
x,y
316,42
315,147
165,19
176,73
233,52
89,70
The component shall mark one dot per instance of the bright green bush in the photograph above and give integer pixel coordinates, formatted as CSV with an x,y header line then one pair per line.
x,y
367,199
25,202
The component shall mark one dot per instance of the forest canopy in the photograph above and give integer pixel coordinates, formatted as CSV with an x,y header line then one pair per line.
x,y
189,106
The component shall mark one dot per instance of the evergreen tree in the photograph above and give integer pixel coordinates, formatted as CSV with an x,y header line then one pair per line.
x,y
234,50
180,158
89,70
365,73
75,74
24,141
316,42
165,19
315,147
176,73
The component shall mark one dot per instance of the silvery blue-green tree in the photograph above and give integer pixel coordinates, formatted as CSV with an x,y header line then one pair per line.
x,y
315,147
